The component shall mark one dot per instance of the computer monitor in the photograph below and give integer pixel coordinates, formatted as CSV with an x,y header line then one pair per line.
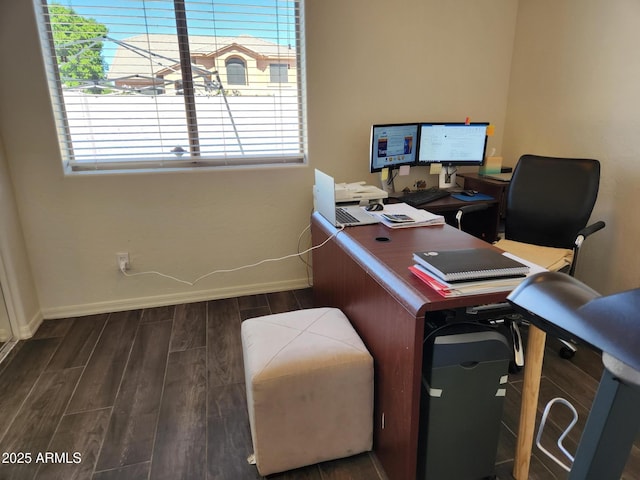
x,y
393,145
453,143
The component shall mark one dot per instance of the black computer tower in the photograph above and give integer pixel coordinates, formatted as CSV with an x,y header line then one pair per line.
x,y
465,369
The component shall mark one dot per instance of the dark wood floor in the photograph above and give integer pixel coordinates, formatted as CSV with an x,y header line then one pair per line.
x,y
159,394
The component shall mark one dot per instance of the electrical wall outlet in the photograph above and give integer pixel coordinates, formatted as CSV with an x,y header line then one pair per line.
x,y
122,260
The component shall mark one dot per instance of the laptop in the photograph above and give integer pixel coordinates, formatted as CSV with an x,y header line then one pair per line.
x,y
325,204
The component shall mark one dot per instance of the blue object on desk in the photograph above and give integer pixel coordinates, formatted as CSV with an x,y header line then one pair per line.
x,y
473,198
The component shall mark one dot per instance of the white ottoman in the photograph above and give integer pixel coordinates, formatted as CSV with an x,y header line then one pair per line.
x,y
309,382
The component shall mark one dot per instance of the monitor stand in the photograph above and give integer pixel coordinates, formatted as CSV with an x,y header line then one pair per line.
x,y
447,176
387,185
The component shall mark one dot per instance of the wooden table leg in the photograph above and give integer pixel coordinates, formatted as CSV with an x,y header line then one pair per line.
x,y
534,355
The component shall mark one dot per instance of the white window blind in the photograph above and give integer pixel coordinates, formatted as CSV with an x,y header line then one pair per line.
x,y
139,84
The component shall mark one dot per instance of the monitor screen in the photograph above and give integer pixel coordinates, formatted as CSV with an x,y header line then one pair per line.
x,y
393,145
452,143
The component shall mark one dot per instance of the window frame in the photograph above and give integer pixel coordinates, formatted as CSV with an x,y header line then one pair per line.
x,y
194,159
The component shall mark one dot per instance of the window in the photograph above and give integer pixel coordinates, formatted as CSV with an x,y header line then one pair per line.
x,y
138,84
279,73
236,72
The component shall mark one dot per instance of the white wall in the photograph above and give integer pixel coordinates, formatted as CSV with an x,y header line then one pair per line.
x,y
574,92
376,61
368,61
17,290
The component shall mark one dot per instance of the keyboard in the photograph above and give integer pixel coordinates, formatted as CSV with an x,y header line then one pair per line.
x,y
415,199
343,216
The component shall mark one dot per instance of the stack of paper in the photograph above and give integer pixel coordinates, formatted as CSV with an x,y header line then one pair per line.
x,y
473,287
470,264
416,217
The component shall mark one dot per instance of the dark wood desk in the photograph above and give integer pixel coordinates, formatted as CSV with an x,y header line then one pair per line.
x,y
483,224
363,271
496,188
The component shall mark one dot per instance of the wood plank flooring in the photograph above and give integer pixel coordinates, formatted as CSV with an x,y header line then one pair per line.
x,y
159,394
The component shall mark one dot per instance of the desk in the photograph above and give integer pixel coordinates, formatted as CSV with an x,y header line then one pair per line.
x,y
483,224
363,271
496,188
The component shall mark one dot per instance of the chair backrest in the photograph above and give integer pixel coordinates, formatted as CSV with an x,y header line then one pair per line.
x,y
551,199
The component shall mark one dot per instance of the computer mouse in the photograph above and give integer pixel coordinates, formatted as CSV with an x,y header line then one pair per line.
x,y
469,193
374,207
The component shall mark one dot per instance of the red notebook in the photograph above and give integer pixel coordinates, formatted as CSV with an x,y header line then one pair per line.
x,y
441,288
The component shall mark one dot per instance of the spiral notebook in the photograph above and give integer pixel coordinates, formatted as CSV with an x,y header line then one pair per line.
x,y
470,264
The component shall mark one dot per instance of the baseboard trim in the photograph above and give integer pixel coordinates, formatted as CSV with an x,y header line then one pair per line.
x,y
27,331
171,299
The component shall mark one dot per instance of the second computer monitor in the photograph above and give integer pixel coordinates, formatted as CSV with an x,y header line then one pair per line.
x,y
452,143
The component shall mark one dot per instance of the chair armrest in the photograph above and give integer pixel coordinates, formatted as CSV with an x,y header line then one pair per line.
x,y
585,232
468,209
593,228
473,208
582,235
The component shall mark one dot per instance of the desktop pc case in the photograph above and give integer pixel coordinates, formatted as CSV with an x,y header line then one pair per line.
x,y
465,368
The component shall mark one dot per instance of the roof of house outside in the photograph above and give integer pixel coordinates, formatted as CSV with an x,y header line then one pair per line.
x,y
134,54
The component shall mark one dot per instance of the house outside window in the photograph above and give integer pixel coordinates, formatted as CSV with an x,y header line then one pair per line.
x,y
168,79
279,73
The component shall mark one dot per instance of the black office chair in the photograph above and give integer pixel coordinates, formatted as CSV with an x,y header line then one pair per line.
x,y
549,203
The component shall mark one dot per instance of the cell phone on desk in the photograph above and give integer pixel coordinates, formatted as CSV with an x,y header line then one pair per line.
x,y
398,217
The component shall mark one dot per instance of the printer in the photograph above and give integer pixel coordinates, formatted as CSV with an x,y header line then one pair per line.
x,y
359,193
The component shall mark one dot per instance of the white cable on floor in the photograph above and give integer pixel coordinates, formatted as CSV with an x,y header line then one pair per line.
x,y
202,277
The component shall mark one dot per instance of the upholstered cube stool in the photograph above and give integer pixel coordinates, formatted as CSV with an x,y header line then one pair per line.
x,y
309,382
